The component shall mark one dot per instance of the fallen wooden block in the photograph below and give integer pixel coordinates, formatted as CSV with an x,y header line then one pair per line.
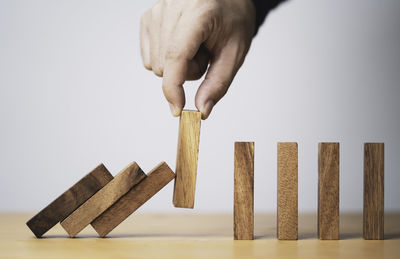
x,y
328,191
373,215
243,217
287,214
186,159
71,199
103,199
156,179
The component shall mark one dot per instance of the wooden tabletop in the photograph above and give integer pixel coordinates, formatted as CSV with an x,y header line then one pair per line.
x,y
192,235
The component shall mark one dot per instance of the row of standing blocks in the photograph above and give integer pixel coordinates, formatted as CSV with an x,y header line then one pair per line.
x,y
328,191
104,202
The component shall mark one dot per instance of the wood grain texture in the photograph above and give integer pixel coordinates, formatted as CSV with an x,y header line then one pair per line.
x,y
243,218
71,199
287,214
328,191
156,179
373,191
103,199
186,159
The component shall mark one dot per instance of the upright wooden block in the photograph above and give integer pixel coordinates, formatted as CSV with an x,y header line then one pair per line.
x,y
103,199
328,191
243,217
186,159
71,199
287,214
156,179
373,191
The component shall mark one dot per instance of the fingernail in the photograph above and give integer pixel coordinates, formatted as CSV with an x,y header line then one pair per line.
x,y
206,109
174,110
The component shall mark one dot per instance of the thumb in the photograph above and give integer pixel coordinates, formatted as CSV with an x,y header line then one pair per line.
x,y
223,68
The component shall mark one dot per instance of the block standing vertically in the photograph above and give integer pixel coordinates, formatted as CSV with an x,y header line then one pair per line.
x,y
243,218
186,159
287,214
373,191
328,191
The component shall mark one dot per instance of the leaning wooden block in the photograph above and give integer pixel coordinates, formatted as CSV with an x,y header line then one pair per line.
x,y
373,191
243,218
156,179
287,214
71,199
328,191
103,199
186,159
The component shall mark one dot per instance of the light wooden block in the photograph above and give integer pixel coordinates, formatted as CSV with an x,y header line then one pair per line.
x,y
328,191
156,179
103,199
71,199
373,191
243,218
186,159
287,214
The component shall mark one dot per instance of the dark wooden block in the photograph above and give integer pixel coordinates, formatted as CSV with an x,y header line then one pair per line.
x,y
103,199
156,179
71,199
243,217
373,191
186,159
287,214
328,191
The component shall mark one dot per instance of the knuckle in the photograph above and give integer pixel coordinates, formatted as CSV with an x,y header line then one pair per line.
x,y
172,53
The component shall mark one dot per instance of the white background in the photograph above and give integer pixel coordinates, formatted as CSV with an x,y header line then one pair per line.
x,y
74,93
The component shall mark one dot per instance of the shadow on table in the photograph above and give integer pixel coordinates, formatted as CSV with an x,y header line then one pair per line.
x,y
165,235
66,236
392,236
303,236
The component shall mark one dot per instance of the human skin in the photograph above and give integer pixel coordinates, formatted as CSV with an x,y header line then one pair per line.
x,y
184,39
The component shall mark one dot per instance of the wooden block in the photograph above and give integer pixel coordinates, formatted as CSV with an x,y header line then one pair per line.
x,y
328,191
373,191
71,199
186,159
156,179
103,199
243,217
287,214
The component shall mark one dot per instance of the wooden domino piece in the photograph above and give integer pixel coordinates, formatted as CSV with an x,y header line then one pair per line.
x,y
328,191
243,217
156,179
287,214
103,199
71,199
373,215
186,159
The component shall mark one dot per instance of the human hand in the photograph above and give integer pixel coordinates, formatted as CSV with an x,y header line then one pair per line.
x,y
182,39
